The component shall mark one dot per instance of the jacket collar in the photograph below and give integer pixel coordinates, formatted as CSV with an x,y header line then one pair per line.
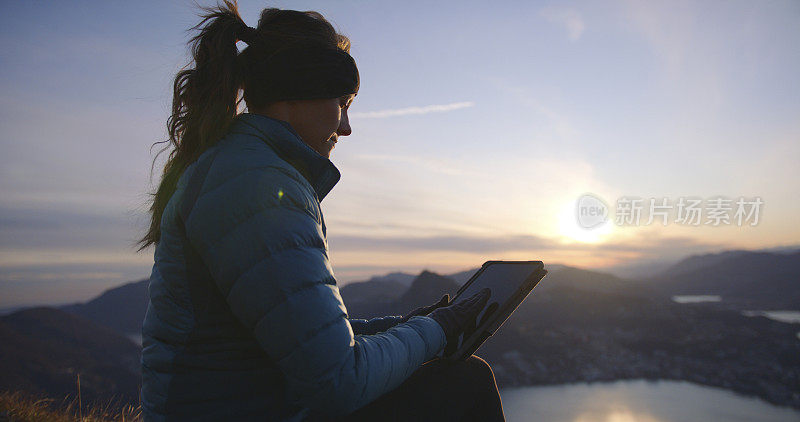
x,y
278,134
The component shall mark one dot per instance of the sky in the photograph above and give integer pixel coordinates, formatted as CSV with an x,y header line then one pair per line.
x,y
478,128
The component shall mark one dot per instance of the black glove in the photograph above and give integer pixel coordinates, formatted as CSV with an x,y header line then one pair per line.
x,y
455,318
425,310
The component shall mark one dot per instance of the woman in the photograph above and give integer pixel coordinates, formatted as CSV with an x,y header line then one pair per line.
x,y
245,320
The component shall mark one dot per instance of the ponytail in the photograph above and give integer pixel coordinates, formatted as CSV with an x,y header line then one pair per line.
x,y
204,103
206,97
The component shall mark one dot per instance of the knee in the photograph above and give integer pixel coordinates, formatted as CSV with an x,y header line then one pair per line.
x,y
470,370
479,369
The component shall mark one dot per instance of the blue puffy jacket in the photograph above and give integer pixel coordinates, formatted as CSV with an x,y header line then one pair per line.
x,y
245,320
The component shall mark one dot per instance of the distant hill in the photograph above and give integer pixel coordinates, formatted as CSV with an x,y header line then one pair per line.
x,y
397,277
121,308
463,276
560,276
43,349
653,267
697,262
427,288
580,325
577,325
744,279
375,290
786,249
640,269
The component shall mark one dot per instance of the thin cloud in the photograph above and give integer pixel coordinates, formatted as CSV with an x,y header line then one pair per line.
x,y
430,165
642,247
570,19
458,243
560,122
435,108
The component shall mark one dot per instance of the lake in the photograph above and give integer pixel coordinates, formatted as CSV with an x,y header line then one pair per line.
x,y
791,317
637,401
696,298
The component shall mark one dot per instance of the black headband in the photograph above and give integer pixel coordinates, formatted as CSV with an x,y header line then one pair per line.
x,y
305,72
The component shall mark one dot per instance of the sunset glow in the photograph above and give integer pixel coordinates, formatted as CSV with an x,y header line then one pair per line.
x,y
468,144
572,231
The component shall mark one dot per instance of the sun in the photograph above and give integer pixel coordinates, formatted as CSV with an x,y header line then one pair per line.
x,y
570,230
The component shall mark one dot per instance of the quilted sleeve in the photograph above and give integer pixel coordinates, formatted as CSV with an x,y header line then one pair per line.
x,y
267,254
374,325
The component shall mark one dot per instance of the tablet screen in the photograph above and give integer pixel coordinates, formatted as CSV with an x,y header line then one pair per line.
x,y
504,279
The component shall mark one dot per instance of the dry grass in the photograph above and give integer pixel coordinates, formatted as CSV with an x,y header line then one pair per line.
x,y
18,406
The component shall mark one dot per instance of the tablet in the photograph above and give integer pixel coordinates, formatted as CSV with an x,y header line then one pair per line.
x,y
510,283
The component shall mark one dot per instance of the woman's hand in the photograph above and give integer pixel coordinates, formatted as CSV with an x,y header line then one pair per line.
x,y
425,310
457,318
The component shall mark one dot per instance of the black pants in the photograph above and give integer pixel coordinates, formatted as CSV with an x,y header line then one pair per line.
x,y
439,390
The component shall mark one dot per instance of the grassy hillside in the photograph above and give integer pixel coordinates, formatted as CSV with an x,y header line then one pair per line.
x,y
25,407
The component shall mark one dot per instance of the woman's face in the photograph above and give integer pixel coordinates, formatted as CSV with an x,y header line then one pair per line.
x,y
320,123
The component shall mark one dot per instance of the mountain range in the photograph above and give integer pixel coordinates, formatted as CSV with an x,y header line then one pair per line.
x,y
577,325
580,325
45,349
744,280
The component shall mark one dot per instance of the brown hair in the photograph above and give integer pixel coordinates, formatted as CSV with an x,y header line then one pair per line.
x,y
207,92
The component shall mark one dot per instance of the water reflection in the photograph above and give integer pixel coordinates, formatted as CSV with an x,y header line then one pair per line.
x,y
696,298
637,401
792,317
625,415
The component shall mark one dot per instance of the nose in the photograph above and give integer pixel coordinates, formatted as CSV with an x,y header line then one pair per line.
x,y
344,128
